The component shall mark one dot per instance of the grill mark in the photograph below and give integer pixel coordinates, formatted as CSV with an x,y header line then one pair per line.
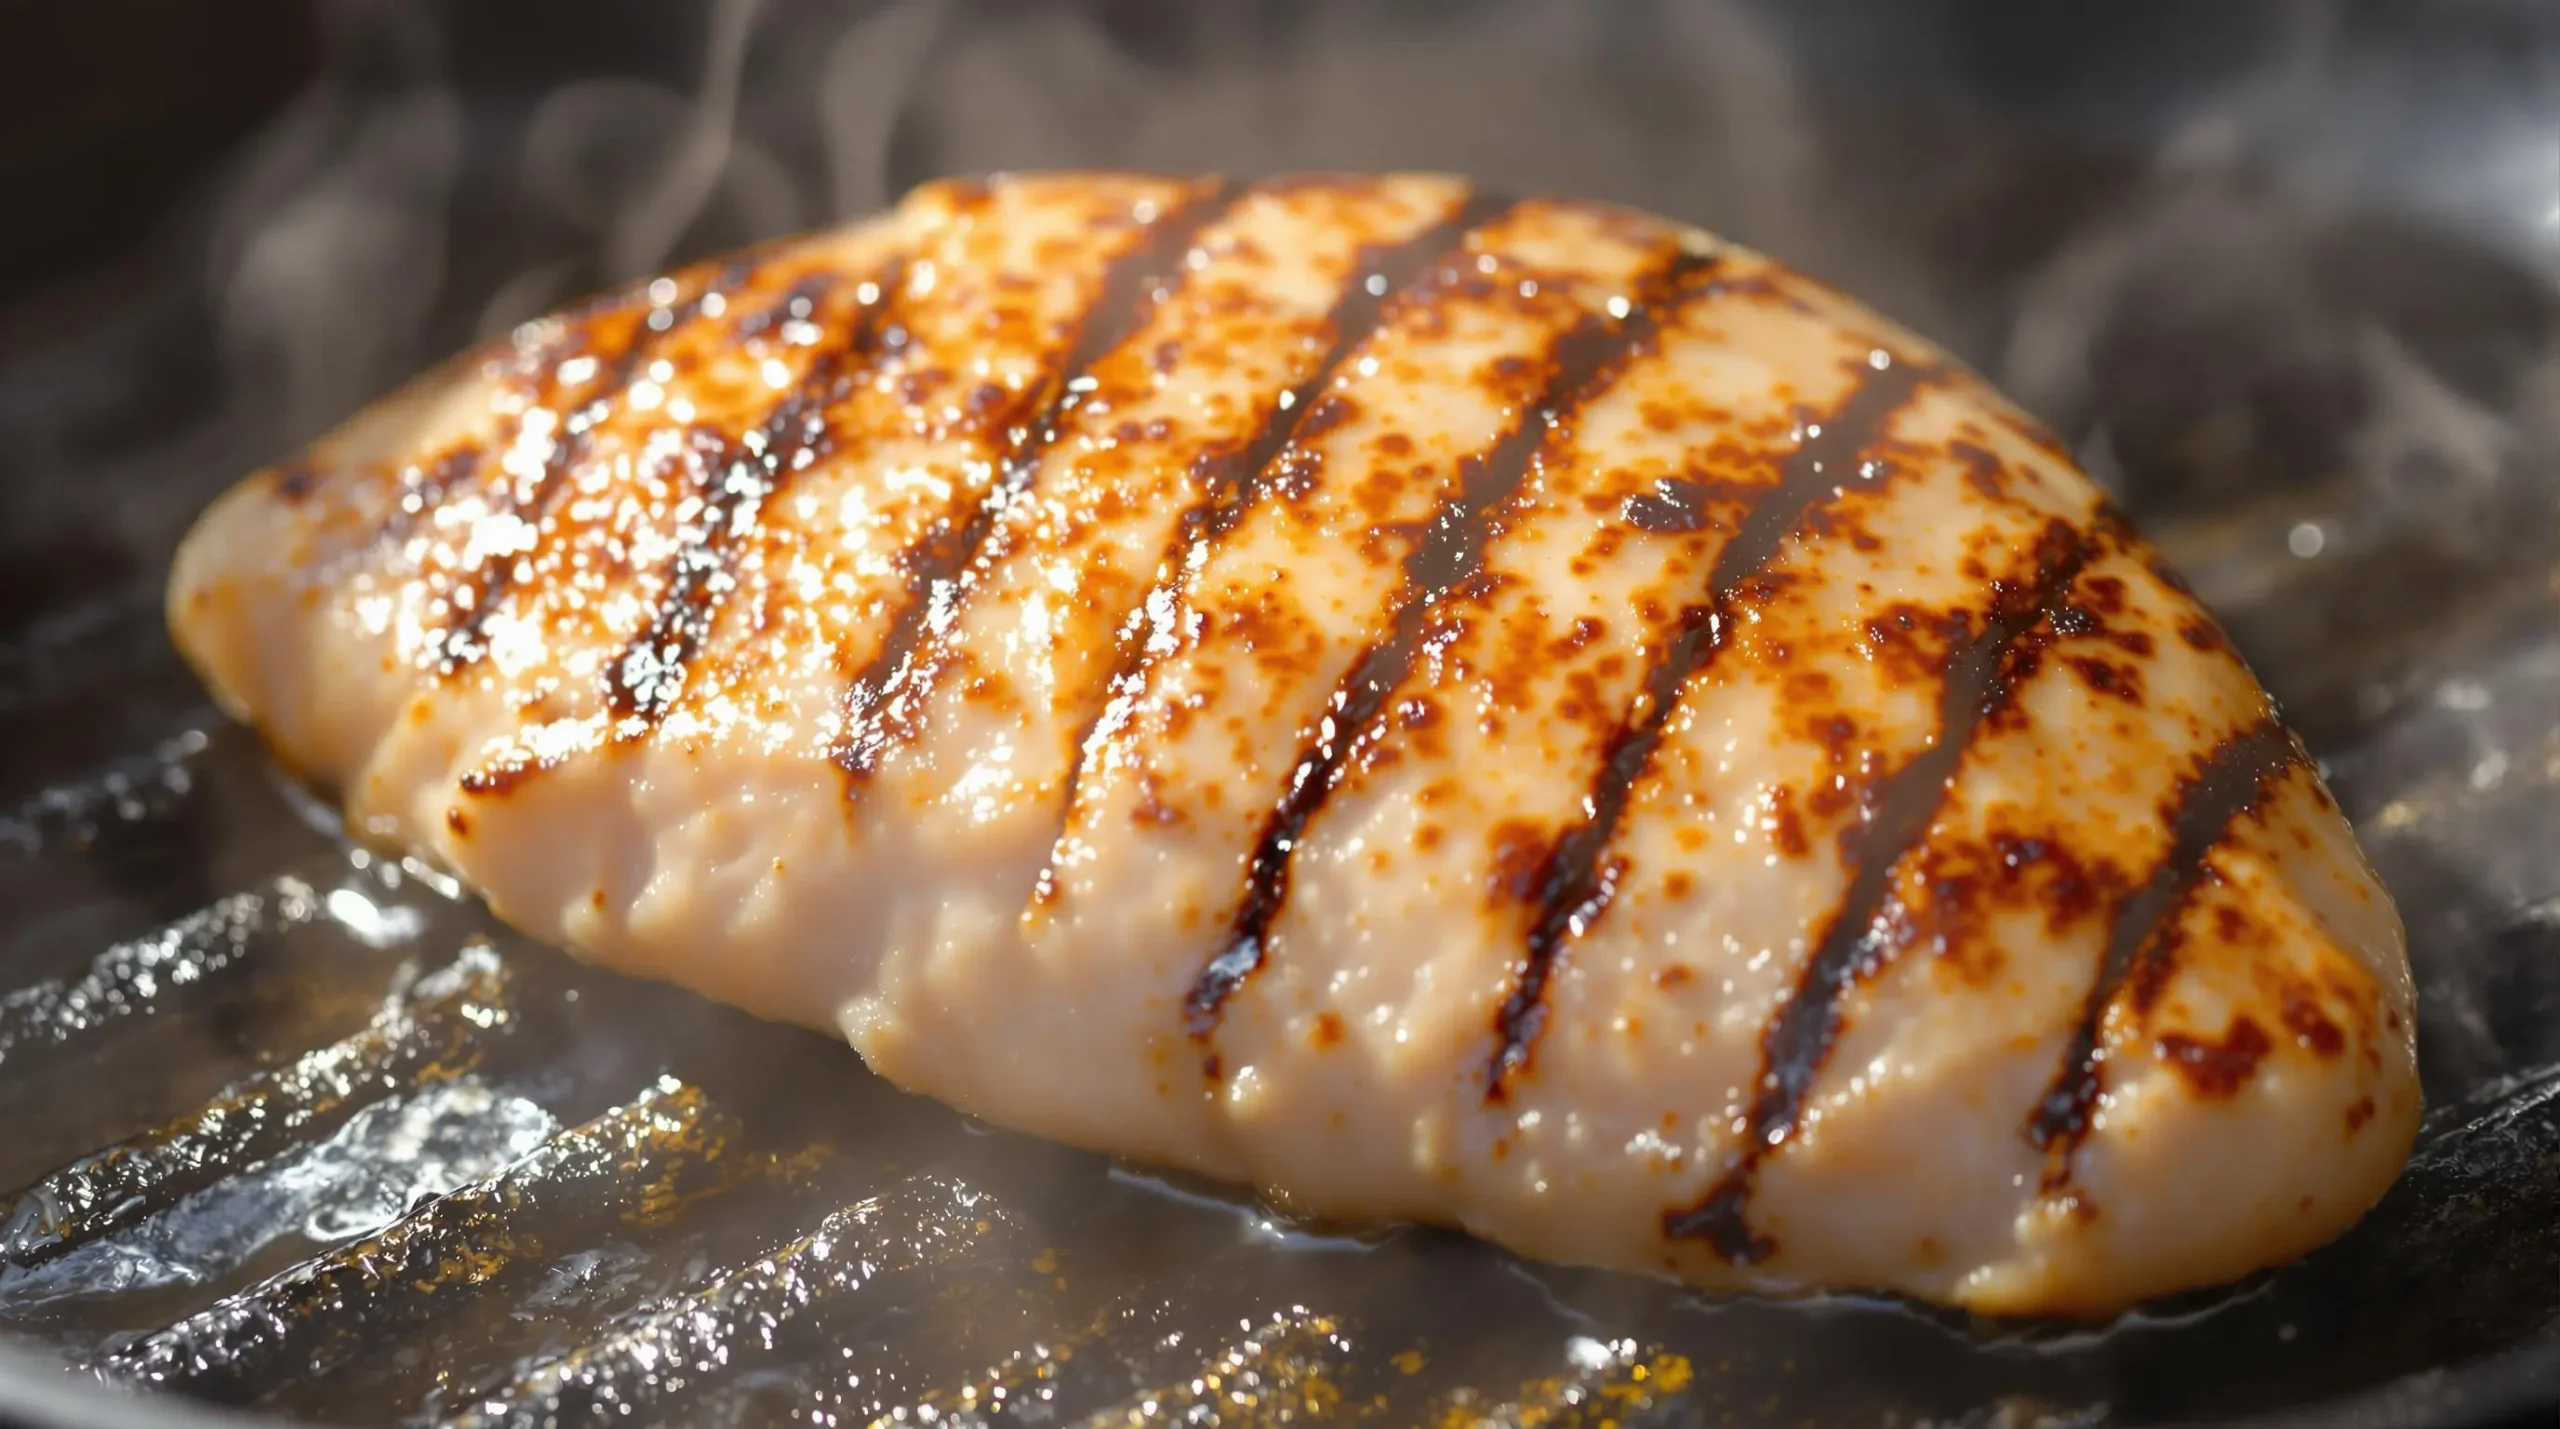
x,y
1229,483
644,682
882,700
463,643
1583,362
425,487
1861,938
2231,782
1577,885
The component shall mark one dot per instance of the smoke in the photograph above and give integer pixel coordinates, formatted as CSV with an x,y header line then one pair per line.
x,y
337,260
406,206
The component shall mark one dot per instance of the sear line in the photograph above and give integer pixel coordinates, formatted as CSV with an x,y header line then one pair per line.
x,y
1578,882
889,693
2231,782
1983,676
741,475
464,642
1230,482
1582,364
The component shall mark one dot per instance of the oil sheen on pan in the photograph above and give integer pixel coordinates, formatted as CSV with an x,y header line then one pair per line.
x,y
1512,714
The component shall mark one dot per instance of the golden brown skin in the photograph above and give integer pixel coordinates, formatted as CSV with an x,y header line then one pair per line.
x,y
1517,715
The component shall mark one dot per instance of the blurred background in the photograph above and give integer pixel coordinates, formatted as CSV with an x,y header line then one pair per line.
x,y
2285,274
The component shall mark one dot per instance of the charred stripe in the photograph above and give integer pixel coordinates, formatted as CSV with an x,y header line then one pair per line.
x,y
2230,782
1574,886
1982,677
1228,483
741,474
884,699
1582,363
463,643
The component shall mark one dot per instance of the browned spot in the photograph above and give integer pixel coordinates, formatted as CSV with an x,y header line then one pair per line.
x,y
2310,1025
1838,736
2358,1113
297,479
1962,886
988,402
1329,411
1519,853
1830,800
2202,634
1810,687
1983,469
1328,1031
1673,975
457,821
1677,884
595,899
1913,643
1578,639
1427,837
917,384
1786,827
2215,1069
1676,506
2233,926
506,773
2123,682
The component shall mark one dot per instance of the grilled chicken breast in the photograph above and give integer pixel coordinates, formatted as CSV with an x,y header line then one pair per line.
x,y
1516,715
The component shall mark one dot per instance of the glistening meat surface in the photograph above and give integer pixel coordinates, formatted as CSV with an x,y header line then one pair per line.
x,y
1517,715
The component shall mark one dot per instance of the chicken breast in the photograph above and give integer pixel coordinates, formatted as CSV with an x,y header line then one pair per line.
x,y
1514,715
